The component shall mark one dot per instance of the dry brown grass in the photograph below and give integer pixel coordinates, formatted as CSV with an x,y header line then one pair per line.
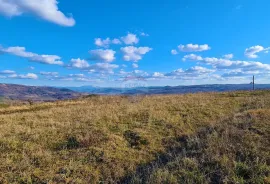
x,y
105,138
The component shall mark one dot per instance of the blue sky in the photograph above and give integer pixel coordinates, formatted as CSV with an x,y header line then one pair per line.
x,y
102,43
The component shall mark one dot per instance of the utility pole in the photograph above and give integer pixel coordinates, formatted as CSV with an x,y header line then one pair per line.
x,y
253,83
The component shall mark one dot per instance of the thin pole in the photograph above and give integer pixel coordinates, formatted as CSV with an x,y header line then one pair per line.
x,y
253,82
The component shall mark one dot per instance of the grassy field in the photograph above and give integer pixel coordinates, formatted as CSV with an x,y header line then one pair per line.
x,y
192,138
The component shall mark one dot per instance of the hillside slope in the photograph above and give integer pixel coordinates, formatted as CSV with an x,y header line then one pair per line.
x,y
35,93
192,138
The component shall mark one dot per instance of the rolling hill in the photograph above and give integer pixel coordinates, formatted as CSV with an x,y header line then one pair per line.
x,y
35,93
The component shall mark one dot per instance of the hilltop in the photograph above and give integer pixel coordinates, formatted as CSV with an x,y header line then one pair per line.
x,y
191,138
35,93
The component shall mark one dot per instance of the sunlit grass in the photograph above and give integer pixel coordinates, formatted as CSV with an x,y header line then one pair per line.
x,y
105,138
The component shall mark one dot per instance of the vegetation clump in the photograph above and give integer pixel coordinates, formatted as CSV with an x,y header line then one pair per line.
x,y
134,139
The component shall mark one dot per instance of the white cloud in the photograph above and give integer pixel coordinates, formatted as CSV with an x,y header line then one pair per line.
x,y
252,51
21,52
174,52
130,39
228,56
135,65
116,41
49,73
192,57
193,48
26,76
85,79
123,72
102,43
240,73
74,77
94,68
132,53
157,75
135,73
103,68
103,55
106,43
78,63
140,73
44,9
29,76
7,72
226,64
199,69
193,73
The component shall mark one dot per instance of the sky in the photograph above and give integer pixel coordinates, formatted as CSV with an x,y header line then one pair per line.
x,y
107,43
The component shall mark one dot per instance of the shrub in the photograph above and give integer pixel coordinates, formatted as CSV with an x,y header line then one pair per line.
x,y
134,139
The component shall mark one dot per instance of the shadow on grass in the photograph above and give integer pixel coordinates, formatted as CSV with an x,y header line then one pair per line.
x,y
227,153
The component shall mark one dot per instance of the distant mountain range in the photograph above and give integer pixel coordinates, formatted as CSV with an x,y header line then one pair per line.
x,y
168,89
34,93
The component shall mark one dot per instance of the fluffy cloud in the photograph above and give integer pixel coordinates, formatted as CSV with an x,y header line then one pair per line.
x,y
228,56
21,52
102,55
226,64
102,43
44,9
130,39
132,53
106,43
29,76
157,75
123,72
193,48
191,73
174,52
97,67
192,57
116,41
252,51
78,63
199,70
10,74
74,77
103,67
